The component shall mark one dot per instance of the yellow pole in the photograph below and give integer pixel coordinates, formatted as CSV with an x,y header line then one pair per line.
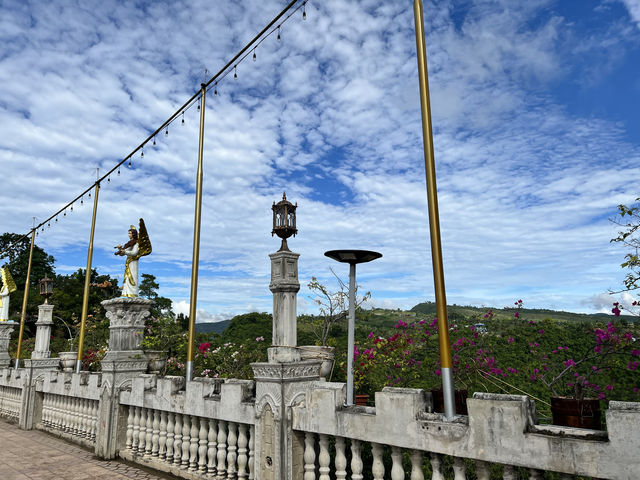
x,y
434,221
24,300
87,282
196,243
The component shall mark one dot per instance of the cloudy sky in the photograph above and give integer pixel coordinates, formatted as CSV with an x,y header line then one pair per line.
x,y
536,124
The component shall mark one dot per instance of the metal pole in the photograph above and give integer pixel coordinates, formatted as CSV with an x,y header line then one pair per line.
x,y
434,221
24,300
350,330
87,281
196,243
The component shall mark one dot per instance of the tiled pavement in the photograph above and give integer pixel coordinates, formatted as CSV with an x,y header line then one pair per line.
x,y
36,455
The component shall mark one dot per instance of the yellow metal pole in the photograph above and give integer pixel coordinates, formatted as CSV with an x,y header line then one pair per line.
x,y
87,282
24,300
196,243
434,221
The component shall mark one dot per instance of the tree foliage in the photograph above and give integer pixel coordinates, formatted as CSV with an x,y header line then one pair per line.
x,y
629,220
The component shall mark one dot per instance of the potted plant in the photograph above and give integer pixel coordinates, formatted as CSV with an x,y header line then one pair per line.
x,y
68,358
160,336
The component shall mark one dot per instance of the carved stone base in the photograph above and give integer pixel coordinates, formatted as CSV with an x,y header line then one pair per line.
x,y
283,354
6,329
42,363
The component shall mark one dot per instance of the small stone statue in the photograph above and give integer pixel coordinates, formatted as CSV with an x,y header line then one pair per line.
x,y
8,287
138,246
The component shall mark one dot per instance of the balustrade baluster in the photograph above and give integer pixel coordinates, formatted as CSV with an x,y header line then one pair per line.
x,y
193,447
186,441
74,416
177,444
142,435
436,465
129,434
356,460
397,472
148,446
85,417
212,445
232,441
377,467
324,459
252,460
243,441
68,416
57,414
162,437
94,419
509,473
482,470
202,446
309,456
135,433
459,469
45,408
170,436
416,465
155,434
341,459
222,449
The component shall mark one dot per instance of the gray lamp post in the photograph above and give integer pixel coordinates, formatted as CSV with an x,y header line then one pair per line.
x,y
352,257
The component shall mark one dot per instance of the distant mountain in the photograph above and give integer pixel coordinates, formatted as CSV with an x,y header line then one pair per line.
x,y
212,327
459,311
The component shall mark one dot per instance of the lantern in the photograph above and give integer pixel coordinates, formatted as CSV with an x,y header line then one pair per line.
x,y
46,288
284,220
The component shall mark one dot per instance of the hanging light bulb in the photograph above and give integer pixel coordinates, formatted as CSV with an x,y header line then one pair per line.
x,y
36,233
154,141
183,117
72,208
82,201
48,224
56,219
166,132
198,104
65,213
142,152
278,32
304,11
89,194
109,179
215,89
254,55
118,170
129,162
235,73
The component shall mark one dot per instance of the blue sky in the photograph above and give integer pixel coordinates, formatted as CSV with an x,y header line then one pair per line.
x,y
536,123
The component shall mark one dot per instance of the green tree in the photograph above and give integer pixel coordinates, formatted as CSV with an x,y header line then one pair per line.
x,y
148,289
629,220
15,250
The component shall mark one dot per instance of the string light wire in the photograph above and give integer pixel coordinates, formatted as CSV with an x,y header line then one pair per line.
x,y
247,50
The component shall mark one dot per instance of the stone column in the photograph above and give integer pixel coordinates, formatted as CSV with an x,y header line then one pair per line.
x,y
6,329
285,286
43,332
123,361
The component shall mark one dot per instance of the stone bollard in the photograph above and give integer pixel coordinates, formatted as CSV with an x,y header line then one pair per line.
x,y
41,355
123,361
285,286
6,329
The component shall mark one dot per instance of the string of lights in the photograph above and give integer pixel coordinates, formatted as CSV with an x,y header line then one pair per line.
x,y
273,26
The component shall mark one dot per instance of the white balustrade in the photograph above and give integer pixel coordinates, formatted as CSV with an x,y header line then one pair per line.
x,y
75,417
204,447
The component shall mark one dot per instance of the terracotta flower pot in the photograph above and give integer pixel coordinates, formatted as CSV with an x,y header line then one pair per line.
x,y
569,412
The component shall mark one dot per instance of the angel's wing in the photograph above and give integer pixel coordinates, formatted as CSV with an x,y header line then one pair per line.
x,y
7,280
144,244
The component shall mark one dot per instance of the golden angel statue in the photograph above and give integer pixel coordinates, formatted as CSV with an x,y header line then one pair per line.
x,y
8,287
138,246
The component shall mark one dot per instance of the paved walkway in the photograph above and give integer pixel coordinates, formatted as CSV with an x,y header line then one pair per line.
x,y
36,455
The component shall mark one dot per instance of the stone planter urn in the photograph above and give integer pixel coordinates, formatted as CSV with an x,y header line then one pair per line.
x,y
67,360
157,361
320,353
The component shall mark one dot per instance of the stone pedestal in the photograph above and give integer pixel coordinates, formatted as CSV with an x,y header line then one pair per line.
x,y
123,361
43,332
285,286
6,329
126,327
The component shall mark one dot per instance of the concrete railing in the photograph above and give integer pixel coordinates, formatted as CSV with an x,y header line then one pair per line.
x,y
499,434
205,430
